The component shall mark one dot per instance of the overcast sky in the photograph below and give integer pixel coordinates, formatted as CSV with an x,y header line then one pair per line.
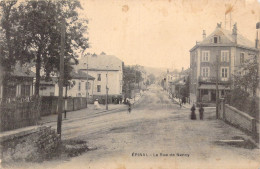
x,y
160,33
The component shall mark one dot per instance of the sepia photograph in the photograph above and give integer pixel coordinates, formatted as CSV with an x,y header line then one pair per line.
x,y
129,84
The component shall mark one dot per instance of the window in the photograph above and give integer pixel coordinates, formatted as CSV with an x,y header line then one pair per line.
x,y
224,72
205,56
87,85
215,39
98,88
99,77
224,56
25,90
79,86
205,72
242,57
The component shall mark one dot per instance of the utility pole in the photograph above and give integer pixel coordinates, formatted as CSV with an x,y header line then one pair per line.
x,y
107,89
87,85
135,82
217,92
61,79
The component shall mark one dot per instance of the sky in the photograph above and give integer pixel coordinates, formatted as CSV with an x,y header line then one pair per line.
x,y
160,33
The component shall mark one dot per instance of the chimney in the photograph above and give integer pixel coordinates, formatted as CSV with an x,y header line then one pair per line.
x,y
204,34
234,32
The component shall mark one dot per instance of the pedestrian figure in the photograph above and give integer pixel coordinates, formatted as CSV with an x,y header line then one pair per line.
x,y
180,104
193,115
129,107
201,110
96,105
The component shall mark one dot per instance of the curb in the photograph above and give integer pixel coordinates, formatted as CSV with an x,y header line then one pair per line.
x,y
78,118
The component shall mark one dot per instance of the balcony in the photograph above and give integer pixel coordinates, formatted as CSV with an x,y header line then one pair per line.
x,y
213,80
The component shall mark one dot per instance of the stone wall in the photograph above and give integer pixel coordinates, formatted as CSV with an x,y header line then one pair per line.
x,y
239,119
34,143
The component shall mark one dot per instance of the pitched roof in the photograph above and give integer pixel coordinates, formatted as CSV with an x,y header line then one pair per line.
x,y
227,38
100,62
81,75
52,81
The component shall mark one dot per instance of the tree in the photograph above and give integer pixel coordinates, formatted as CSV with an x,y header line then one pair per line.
x,y
130,76
246,82
39,23
8,37
247,77
151,78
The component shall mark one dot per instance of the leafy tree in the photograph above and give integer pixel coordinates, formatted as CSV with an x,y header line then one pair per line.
x,y
246,82
247,77
8,38
130,76
39,23
187,87
151,78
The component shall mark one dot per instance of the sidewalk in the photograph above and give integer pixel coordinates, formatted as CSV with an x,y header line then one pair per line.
x,y
187,105
82,113
87,111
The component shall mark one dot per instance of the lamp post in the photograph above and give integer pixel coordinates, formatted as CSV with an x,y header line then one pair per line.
x,y
87,85
135,82
217,92
107,89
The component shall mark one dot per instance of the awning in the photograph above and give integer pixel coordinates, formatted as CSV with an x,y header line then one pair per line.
x,y
213,87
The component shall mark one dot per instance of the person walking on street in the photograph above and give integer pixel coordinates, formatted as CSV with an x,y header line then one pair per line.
x,y
201,110
193,115
129,106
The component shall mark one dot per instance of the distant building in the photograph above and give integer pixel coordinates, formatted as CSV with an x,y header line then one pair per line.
x,y
231,49
178,82
170,78
107,71
81,85
47,88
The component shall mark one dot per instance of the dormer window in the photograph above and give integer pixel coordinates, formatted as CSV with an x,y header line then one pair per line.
x,y
216,39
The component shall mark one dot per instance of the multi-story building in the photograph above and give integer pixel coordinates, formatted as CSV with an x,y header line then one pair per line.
x,y
170,78
216,58
107,71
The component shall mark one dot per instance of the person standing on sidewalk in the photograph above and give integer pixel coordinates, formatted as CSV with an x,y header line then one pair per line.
x,y
193,115
201,110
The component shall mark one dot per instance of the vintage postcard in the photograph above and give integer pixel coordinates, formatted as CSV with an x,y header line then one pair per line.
x,y
129,84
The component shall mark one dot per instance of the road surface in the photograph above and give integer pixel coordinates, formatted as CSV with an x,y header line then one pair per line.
x,y
156,134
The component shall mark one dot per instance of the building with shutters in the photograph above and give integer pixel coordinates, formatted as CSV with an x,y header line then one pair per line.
x,y
216,58
107,71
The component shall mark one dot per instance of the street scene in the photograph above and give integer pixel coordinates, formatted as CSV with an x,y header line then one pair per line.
x,y
155,126
129,84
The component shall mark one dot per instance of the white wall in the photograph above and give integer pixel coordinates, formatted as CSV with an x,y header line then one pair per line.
x,y
114,82
73,91
47,91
